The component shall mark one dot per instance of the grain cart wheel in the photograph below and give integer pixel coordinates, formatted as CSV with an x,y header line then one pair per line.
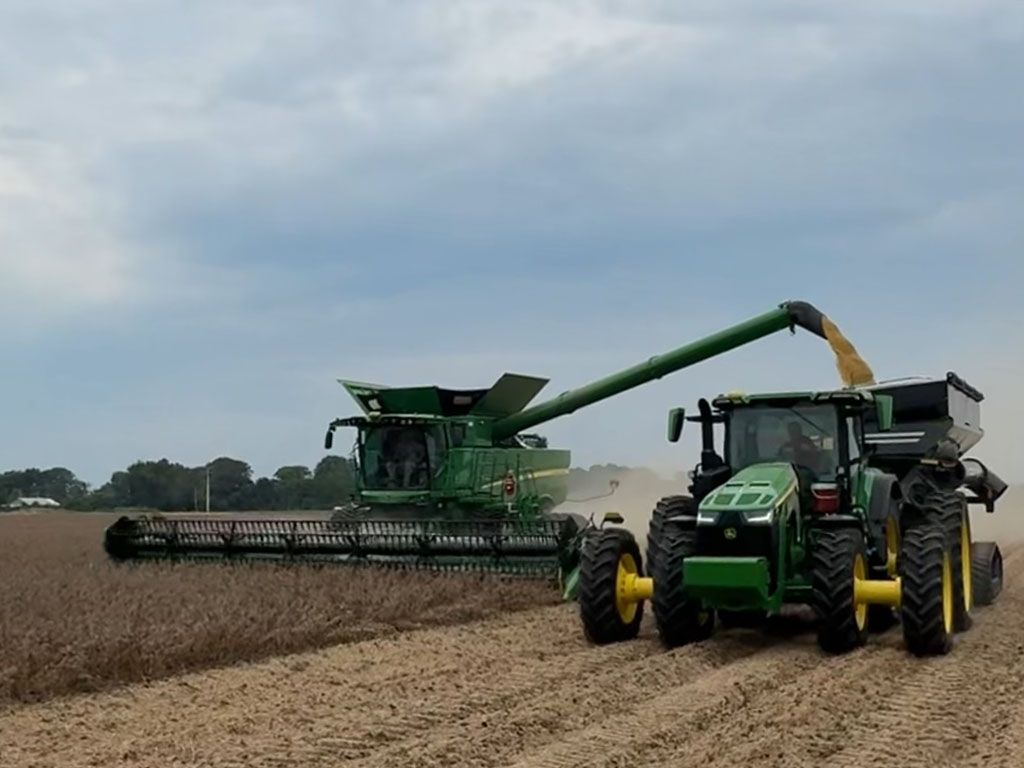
x,y
609,566
670,506
986,572
927,606
680,619
839,557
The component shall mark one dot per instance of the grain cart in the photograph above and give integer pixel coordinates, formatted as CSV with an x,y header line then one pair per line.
x,y
816,499
451,479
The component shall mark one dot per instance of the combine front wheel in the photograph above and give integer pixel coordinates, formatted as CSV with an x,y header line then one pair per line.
x,y
986,572
612,588
928,595
839,558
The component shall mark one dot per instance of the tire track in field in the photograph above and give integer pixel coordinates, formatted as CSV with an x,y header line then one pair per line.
x,y
527,690
588,694
881,704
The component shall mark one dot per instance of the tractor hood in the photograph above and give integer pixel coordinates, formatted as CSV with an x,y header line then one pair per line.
x,y
759,488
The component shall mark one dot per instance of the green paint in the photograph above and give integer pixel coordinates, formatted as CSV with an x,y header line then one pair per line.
x,y
728,582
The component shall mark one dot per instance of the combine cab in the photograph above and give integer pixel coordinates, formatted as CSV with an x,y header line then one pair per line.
x,y
452,479
817,498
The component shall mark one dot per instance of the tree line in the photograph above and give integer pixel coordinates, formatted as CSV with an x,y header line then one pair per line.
x,y
168,486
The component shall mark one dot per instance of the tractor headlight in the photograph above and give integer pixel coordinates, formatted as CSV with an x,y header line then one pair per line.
x,y
707,518
759,516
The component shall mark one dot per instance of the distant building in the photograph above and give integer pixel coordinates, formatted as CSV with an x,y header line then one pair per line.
x,y
25,502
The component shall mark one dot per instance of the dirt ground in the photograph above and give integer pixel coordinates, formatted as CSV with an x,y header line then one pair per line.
x,y
526,690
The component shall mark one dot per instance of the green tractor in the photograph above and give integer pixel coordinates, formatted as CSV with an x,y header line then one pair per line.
x,y
452,479
815,500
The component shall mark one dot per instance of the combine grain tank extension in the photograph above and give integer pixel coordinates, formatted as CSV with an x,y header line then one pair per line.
x,y
448,479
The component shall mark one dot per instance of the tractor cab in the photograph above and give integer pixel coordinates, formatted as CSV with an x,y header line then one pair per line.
x,y
790,464
812,441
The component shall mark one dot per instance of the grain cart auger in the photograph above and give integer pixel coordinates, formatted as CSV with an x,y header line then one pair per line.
x,y
449,479
852,501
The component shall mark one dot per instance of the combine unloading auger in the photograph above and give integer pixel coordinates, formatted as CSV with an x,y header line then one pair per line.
x,y
448,480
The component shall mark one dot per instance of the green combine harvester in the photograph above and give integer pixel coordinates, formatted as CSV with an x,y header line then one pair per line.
x,y
854,502
452,479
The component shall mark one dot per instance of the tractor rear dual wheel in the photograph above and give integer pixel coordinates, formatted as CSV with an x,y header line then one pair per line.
x,y
952,510
839,558
927,609
607,555
986,572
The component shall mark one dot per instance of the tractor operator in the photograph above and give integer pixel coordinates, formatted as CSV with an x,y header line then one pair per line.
x,y
800,448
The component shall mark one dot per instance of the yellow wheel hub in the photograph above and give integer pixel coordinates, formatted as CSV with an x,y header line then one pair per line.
x,y
947,593
860,609
630,588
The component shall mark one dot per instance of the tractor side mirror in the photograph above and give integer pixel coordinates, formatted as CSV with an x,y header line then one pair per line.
x,y
883,407
675,424
329,440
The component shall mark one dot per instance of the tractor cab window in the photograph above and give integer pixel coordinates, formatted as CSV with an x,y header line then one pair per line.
x,y
854,430
804,435
401,457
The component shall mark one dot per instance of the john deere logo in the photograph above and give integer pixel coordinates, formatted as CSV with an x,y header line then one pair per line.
x,y
729,533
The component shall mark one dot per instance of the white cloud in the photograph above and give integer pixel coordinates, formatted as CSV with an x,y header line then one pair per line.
x,y
59,247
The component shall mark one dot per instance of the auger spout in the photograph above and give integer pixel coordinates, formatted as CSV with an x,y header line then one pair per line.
x,y
852,369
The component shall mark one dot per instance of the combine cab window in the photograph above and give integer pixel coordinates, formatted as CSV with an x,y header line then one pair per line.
x,y
401,458
804,435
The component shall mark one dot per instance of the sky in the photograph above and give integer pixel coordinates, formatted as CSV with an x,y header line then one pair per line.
x,y
211,211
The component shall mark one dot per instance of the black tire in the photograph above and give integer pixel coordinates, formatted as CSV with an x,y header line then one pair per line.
x,y
680,619
669,506
881,618
742,619
603,622
951,508
927,627
986,572
834,557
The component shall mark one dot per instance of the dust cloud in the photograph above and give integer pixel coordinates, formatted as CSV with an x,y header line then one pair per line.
x,y
1004,525
638,491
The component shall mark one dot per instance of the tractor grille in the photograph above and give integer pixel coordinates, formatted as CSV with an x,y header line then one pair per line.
x,y
749,541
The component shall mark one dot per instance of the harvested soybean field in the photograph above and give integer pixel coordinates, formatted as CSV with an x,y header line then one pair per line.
x,y
523,688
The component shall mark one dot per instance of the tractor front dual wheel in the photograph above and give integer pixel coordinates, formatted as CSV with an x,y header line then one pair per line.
x,y
667,508
681,619
838,559
928,605
610,559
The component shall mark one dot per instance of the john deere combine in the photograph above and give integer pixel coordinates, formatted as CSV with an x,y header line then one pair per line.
x,y
450,479
853,501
